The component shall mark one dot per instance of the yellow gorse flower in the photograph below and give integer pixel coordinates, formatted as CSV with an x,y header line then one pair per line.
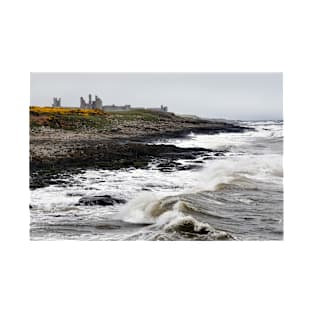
x,y
86,112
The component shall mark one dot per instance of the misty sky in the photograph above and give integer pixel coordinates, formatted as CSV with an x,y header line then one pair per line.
x,y
213,95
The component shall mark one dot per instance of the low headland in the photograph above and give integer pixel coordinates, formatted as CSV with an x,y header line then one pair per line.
x,y
64,140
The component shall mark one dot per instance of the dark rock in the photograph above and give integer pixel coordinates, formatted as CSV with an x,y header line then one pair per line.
x,y
166,169
74,194
218,154
168,164
187,167
118,153
100,200
207,158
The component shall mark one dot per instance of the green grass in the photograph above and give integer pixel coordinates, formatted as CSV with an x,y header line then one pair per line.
x,y
74,121
139,114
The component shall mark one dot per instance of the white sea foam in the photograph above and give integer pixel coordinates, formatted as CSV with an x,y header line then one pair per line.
x,y
141,209
166,215
171,214
251,162
245,171
240,170
230,141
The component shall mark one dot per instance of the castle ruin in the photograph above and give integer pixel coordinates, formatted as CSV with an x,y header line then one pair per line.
x,y
163,108
96,104
56,102
113,107
128,107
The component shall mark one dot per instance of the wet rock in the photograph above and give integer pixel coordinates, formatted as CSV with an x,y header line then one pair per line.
x,y
100,200
166,166
53,162
198,161
218,154
187,167
207,158
176,166
74,194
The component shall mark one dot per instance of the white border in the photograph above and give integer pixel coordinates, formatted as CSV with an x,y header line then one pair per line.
x,y
165,36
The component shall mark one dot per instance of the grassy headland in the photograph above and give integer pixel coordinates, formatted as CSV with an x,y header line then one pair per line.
x,y
77,119
70,138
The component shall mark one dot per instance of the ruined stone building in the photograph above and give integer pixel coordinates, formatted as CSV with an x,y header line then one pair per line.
x,y
96,104
114,107
56,102
128,107
162,108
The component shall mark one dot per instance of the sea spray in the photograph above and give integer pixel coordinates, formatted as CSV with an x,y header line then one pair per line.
x,y
237,194
240,170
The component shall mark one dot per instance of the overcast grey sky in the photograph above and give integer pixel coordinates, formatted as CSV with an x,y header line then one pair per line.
x,y
215,95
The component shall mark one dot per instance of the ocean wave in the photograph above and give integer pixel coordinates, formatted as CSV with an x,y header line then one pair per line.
x,y
168,217
244,171
180,213
154,208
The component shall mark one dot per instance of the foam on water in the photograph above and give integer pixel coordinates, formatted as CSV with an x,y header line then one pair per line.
x,y
171,214
158,199
246,170
171,221
231,141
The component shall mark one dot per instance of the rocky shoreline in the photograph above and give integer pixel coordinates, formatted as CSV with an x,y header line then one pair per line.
x,y
58,152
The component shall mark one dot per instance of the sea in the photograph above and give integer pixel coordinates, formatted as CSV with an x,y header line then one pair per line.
x,y
235,195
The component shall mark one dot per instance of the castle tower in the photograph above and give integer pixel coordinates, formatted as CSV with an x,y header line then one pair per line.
x,y
97,104
90,101
56,102
164,108
83,104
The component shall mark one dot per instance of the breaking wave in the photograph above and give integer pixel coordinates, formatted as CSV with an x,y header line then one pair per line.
x,y
237,194
171,214
242,171
168,215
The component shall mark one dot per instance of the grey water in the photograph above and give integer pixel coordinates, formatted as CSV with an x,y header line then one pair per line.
x,y
237,195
